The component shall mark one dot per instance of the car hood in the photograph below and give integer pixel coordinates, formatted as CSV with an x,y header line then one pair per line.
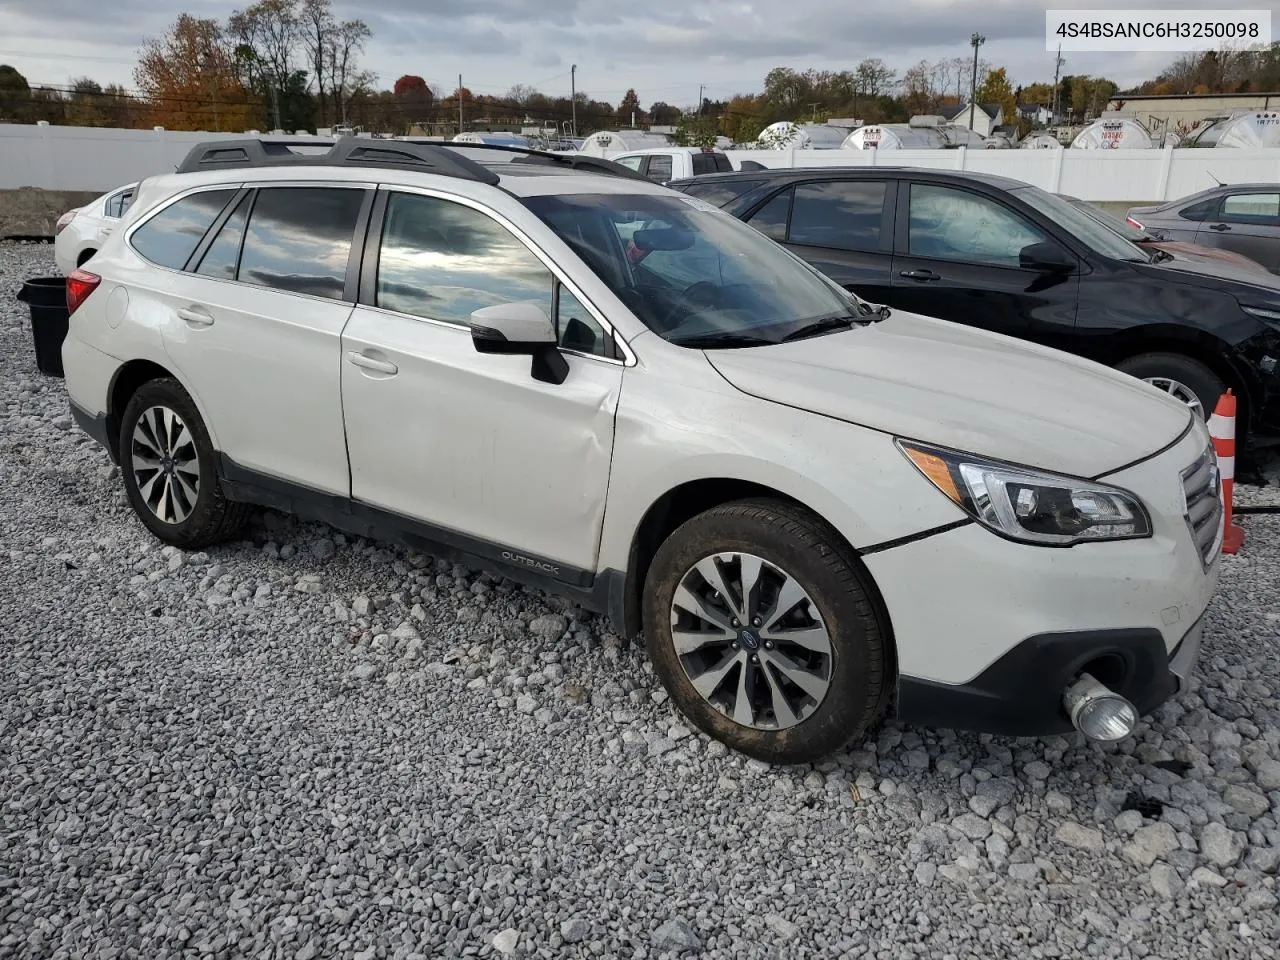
x,y
943,383
1228,276
1194,251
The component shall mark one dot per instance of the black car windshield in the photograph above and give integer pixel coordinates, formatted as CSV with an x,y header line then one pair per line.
x,y
1098,237
692,274
1122,227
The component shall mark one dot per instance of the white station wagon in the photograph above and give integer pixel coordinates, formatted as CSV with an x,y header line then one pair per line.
x,y
818,511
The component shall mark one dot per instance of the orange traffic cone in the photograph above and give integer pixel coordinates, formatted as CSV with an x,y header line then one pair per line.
x,y
1222,427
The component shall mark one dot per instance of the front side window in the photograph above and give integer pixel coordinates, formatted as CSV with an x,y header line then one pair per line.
x,y
1252,208
845,214
690,272
170,237
299,239
659,169
951,224
703,163
443,260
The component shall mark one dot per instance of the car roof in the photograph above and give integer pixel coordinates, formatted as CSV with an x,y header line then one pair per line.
x,y
669,150
786,174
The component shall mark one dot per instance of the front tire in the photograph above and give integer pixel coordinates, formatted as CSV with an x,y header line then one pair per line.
x,y
1181,377
167,460
760,624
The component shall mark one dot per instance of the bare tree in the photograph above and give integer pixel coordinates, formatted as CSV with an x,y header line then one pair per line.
x,y
316,28
347,42
266,35
520,93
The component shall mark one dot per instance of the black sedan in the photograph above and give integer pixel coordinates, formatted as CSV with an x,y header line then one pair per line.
x,y
1008,257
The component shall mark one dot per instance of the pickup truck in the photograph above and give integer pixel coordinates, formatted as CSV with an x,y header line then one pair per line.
x,y
661,164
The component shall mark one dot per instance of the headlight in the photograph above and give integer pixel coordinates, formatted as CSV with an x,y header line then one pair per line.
x,y
1027,505
1268,316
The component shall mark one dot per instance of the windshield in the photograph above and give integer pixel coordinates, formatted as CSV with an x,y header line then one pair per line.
x,y
1098,237
1122,227
693,274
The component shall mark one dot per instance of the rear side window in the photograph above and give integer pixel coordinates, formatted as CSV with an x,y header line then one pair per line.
x,y
1252,208
1200,211
659,169
722,192
771,219
299,239
221,257
117,205
170,237
843,214
722,163
703,163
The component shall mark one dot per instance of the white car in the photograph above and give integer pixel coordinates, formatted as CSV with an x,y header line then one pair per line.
x,y
80,233
818,511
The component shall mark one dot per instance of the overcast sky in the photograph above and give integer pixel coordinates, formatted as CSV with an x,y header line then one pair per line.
x,y
663,49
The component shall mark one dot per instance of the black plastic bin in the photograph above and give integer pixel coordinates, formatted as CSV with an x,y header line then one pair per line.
x,y
47,298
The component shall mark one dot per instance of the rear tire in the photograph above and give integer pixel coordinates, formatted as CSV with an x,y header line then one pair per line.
x,y
167,460
1179,376
826,633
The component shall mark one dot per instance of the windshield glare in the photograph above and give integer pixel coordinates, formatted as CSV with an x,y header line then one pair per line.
x,y
1122,227
689,271
1098,237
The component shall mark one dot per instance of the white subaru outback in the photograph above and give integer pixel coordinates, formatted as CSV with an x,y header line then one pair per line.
x,y
818,511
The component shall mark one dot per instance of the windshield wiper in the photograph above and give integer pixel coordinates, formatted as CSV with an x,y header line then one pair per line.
x,y
711,341
820,326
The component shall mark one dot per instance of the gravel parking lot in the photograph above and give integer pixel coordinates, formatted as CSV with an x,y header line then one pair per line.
x,y
304,745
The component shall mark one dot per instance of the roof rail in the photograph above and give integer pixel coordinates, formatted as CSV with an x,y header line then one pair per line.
x,y
345,152
543,157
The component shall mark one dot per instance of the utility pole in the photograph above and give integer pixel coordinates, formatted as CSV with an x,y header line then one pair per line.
x,y
701,87
976,40
573,96
275,100
460,103
1057,69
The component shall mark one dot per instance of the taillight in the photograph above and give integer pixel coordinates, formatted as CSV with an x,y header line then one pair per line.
x,y
80,283
64,221
1134,223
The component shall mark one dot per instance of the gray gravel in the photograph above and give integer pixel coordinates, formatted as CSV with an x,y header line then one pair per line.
x,y
303,745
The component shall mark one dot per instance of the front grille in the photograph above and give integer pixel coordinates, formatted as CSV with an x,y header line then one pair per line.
x,y
1202,491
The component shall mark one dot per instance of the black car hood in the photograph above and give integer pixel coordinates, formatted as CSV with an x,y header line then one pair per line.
x,y
1251,286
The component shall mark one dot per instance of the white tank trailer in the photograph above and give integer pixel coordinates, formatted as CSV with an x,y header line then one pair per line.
x,y
1241,129
919,133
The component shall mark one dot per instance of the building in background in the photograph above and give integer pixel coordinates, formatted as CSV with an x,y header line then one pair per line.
x,y
1182,112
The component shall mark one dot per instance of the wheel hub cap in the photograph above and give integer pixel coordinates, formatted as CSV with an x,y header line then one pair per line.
x,y
1179,391
166,467
751,641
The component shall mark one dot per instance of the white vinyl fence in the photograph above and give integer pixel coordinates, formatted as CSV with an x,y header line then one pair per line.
x,y
98,159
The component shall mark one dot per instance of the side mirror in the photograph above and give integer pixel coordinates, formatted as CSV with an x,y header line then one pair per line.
x,y
520,329
1046,257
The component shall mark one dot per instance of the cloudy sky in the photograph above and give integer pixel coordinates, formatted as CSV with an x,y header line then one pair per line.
x,y
663,49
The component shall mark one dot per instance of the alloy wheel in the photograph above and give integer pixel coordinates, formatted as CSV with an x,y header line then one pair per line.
x,y
751,641
166,467
1179,391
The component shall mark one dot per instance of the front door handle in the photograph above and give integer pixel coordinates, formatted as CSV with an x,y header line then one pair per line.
x,y
923,275
372,363
196,316
1220,227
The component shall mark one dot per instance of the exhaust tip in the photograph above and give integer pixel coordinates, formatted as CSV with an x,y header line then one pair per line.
x,y
1097,711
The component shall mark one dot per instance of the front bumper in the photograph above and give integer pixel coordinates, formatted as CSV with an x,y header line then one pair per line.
x,y
989,632
1021,693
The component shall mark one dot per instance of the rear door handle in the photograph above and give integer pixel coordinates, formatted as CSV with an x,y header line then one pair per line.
x,y
920,275
1220,227
372,363
196,316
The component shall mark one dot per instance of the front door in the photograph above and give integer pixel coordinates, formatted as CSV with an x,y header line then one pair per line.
x,y
958,259
1248,224
470,444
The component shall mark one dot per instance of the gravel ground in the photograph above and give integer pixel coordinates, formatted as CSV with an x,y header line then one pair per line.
x,y
303,745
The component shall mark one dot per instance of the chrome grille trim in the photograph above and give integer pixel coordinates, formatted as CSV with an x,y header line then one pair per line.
x,y
1202,505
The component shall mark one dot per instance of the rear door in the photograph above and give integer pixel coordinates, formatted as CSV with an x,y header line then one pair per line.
x,y
842,227
1248,224
958,259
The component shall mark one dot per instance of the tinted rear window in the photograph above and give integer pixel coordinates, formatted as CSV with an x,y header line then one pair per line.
x,y
721,192
171,236
842,214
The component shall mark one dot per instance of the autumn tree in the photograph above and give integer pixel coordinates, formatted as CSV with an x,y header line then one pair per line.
x,y
414,98
663,113
630,107
15,93
188,80
995,88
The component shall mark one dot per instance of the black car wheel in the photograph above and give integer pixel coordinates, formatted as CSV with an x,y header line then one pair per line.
x,y
1188,380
